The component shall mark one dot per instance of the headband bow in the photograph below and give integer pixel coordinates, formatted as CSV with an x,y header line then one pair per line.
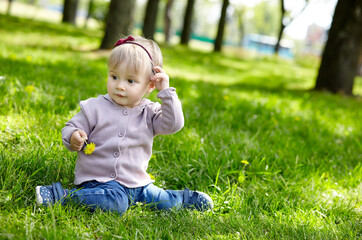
x,y
130,40
123,41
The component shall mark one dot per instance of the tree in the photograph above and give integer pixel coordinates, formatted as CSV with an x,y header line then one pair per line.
x,y
70,11
8,11
149,23
340,57
220,31
186,30
90,11
239,14
118,22
265,20
285,20
359,66
167,20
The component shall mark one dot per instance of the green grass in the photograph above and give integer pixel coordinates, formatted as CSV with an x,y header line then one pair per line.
x,y
304,148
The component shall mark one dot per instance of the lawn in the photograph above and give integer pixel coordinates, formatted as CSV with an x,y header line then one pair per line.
x,y
279,161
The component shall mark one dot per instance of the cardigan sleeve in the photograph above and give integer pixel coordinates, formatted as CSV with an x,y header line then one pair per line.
x,y
168,118
80,121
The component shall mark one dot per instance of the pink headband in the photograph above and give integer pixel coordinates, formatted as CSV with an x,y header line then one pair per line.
x,y
130,40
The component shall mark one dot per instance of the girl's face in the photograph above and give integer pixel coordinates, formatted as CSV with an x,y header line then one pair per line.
x,y
127,88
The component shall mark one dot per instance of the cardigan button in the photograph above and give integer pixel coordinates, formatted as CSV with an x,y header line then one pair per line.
x,y
125,112
116,154
121,134
113,174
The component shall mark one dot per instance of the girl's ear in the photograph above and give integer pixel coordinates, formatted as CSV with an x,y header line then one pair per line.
x,y
151,87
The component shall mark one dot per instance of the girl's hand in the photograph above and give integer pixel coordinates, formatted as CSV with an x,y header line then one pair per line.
x,y
77,140
160,79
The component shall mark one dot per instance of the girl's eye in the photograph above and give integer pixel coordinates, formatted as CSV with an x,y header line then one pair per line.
x,y
115,77
131,81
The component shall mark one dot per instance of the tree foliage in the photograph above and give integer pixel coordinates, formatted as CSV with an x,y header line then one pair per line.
x,y
266,18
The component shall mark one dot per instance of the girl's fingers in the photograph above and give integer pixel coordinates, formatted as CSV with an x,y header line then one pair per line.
x,y
77,139
158,69
82,134
160,79
76,146
159,76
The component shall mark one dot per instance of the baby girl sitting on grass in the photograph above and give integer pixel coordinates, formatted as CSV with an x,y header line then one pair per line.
x,y
122,125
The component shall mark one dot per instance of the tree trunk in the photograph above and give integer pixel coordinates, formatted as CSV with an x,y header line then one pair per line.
x,y
359,66
186,30
340,57
220,31
167,21
70,11
90,11
9,7
280,35
119,22
240,16
149,23
282,27
284,22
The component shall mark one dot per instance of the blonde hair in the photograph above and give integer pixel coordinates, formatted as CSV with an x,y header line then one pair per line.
x,y
135,56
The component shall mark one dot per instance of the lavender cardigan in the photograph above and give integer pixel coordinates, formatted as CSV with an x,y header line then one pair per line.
x,y
123,137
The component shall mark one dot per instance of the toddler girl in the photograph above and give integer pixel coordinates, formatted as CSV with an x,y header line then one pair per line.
x,y
122,125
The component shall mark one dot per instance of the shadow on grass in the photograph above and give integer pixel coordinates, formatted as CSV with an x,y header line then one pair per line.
x,y
52,83
274,139
23,25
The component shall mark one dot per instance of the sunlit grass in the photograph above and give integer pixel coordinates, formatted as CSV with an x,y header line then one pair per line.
x,y
280,161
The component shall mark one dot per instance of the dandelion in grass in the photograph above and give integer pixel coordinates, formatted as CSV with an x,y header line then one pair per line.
x,y
245,162
29,89
89,148
242,176
152,177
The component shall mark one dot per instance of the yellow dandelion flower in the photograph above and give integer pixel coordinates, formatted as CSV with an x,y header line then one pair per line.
x,y
245,162
29,89
152,177
29,58
61,97
89,149
226,98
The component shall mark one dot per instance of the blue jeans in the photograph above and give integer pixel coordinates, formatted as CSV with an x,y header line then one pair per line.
x,y
112,196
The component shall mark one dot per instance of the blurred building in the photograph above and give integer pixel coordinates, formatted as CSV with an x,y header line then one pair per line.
x,y
315,40
265,45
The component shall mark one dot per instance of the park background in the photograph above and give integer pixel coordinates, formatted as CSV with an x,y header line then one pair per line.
x,y
279,160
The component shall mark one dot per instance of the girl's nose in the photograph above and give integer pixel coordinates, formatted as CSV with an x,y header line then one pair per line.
x,y
120,86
